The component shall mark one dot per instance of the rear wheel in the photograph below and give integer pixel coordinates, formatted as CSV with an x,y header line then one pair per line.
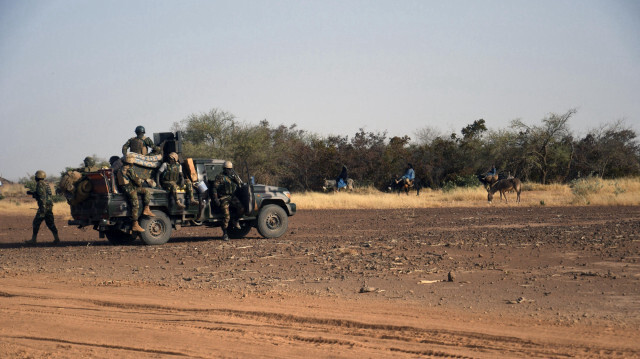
x,y
272,221
157,230
235,233
118,237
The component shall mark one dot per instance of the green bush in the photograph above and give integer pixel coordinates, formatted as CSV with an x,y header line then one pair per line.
x,y
461,181
582,188
30,184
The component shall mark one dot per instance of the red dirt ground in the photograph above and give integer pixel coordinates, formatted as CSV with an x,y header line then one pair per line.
x,y
526,282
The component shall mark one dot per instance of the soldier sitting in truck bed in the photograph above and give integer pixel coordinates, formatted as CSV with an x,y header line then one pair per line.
x,y
170,177
132,185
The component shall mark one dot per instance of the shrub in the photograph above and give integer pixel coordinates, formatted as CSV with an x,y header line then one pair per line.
x,y
584,187
461,181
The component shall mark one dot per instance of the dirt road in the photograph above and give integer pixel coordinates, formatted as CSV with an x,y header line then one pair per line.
x,y
525,282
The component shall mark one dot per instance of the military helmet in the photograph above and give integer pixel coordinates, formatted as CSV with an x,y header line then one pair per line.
x,y
89,161
40,175
130,158
228,164
174,156
140,129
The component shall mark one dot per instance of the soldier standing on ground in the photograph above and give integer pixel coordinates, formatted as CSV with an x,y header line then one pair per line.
x,y
170,176
139,143
132,185
224,188
42,194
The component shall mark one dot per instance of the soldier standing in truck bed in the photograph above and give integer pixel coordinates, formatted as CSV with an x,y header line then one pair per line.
x,y
139,143
42,194
224,188
132,185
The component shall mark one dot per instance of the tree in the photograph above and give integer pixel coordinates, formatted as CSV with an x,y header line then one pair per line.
x,y
543,146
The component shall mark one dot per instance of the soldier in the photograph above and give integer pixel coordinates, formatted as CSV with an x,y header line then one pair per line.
x,y
89,165
45,208
139,143
224,187
132,185
170,176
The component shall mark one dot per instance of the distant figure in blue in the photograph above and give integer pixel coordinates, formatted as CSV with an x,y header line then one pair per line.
x,y
493,171
341,181
409,175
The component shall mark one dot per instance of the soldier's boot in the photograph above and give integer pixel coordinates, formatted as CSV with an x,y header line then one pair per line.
x,y
31,241
179,204
236,225
136,227
147,212
201,209
56,239
225,236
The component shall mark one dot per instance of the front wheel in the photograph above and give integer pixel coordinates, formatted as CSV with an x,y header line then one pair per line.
x,y
272,221
157,230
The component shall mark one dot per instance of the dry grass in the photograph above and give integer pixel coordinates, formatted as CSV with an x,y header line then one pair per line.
x,y
17,201
29,207
622,192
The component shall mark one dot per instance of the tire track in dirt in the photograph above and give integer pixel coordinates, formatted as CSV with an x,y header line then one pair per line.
x,y
103,346
376,337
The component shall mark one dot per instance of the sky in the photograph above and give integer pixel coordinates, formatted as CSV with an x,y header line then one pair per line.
x,y
77,76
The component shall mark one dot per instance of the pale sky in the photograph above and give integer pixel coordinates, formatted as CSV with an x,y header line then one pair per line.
x,y
77,76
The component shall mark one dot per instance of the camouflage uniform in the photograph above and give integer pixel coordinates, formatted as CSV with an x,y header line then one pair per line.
x,y
139,145
170,176
225,186
132,187
89,166
42,195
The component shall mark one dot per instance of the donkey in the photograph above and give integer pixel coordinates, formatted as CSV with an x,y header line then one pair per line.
x,y
331,185
504,186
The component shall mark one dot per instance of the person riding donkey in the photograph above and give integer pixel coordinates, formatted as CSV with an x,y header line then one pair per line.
x,y
341,181
408,177
170,176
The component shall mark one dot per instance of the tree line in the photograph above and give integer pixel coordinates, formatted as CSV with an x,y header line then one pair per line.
x,y
300,160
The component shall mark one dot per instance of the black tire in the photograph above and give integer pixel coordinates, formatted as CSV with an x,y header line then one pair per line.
x,y
235,233
117,237
272,221
157,230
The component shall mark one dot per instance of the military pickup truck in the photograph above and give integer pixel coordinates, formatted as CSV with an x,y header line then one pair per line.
x,y
107,209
